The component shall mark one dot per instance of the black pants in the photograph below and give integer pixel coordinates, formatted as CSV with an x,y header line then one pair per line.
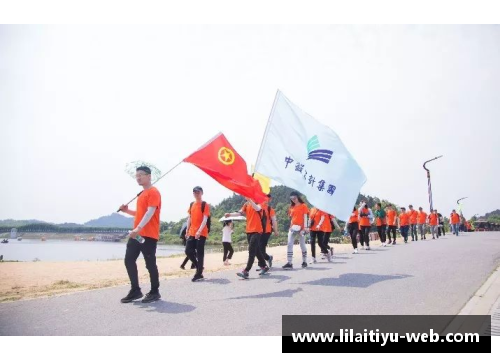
x,y
195,251
254,250
393,229
381,232
316,235
353,228
148,250
365,235
228,251
324,243
264,239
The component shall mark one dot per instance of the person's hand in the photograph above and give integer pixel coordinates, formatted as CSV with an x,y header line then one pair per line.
x,y
227,214
317,227
197,235
306,230
133,234
276,233
123,208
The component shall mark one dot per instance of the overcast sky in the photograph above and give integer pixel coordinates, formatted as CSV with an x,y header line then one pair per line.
x,y
79,102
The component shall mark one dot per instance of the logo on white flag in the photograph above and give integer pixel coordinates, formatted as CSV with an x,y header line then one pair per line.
x,y
315,153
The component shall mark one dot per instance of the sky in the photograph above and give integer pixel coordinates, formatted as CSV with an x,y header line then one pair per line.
x,y
77,103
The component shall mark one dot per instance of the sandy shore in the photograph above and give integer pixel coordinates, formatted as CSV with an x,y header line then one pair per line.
x,y
27,280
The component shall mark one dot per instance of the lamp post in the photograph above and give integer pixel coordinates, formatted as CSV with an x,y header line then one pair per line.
x,y
460,206
429,188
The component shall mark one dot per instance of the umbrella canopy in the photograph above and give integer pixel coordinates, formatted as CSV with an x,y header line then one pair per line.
x,y
234,218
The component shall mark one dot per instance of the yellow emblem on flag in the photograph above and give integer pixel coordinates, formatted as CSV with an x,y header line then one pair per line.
x,y
226,156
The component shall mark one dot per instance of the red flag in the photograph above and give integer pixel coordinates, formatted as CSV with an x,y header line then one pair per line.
x,y
218,159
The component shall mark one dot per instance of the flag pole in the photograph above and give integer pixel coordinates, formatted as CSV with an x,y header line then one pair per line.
x,y
268,126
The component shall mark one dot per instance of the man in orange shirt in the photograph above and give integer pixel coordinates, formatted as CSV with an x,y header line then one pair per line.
x,y
455,222
404,224
421,219
197,226
256,221
144,237
413,216
434,224
391,224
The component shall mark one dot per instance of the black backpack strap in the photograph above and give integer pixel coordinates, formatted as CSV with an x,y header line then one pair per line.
x,y
190,207
203,203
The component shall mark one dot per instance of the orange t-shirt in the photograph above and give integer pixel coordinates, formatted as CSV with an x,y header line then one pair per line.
x,y
413,216
404,219
391,217
254,219
314,215
266,208
326,227
297,213
197,219
422,217
455,218
433,219
354,217
364,220
149,198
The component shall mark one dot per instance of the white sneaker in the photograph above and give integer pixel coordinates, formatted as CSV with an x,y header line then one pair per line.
x,y
363,247
368,248
383,244
328,257
355,251
314,261
331,252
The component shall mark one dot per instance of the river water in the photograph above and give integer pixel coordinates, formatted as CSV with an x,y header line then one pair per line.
x,y
70,250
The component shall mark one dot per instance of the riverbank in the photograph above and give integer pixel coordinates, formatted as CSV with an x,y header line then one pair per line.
x,y
27,280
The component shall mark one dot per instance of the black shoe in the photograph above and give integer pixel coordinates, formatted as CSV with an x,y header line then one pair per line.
x,y
197,277
288,266
304,265
193,266
264,271
151,297
183,267
132,295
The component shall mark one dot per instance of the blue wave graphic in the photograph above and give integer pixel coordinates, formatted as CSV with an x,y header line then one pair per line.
x,y
321,155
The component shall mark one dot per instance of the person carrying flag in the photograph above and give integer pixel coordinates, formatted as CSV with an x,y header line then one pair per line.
x,y
256,220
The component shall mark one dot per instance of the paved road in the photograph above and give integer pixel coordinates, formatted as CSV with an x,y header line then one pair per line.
x,y
424,277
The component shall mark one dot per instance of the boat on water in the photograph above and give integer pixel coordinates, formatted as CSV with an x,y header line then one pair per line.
x,y
5,241
19,238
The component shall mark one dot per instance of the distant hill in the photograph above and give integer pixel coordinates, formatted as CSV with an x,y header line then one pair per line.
x,y
17,223
490,214
113,220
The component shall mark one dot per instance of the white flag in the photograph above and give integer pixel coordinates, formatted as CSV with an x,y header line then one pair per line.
x,y
300,152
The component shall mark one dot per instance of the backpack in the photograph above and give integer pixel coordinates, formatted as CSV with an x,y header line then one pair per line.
x,y
209,220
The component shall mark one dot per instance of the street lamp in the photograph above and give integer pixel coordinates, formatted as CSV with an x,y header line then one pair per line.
x,y
460,206
429,189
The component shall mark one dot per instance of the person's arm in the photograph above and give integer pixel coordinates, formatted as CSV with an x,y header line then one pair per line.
x,y
200,229
335,224
234,214
126,210
275,225
320,222
145,219
254,205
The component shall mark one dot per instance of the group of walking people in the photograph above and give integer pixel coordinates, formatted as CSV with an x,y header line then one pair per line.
x,y
388,220
260,223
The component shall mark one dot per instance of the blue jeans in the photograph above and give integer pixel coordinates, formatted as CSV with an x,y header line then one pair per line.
x,y
454,229
404,232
